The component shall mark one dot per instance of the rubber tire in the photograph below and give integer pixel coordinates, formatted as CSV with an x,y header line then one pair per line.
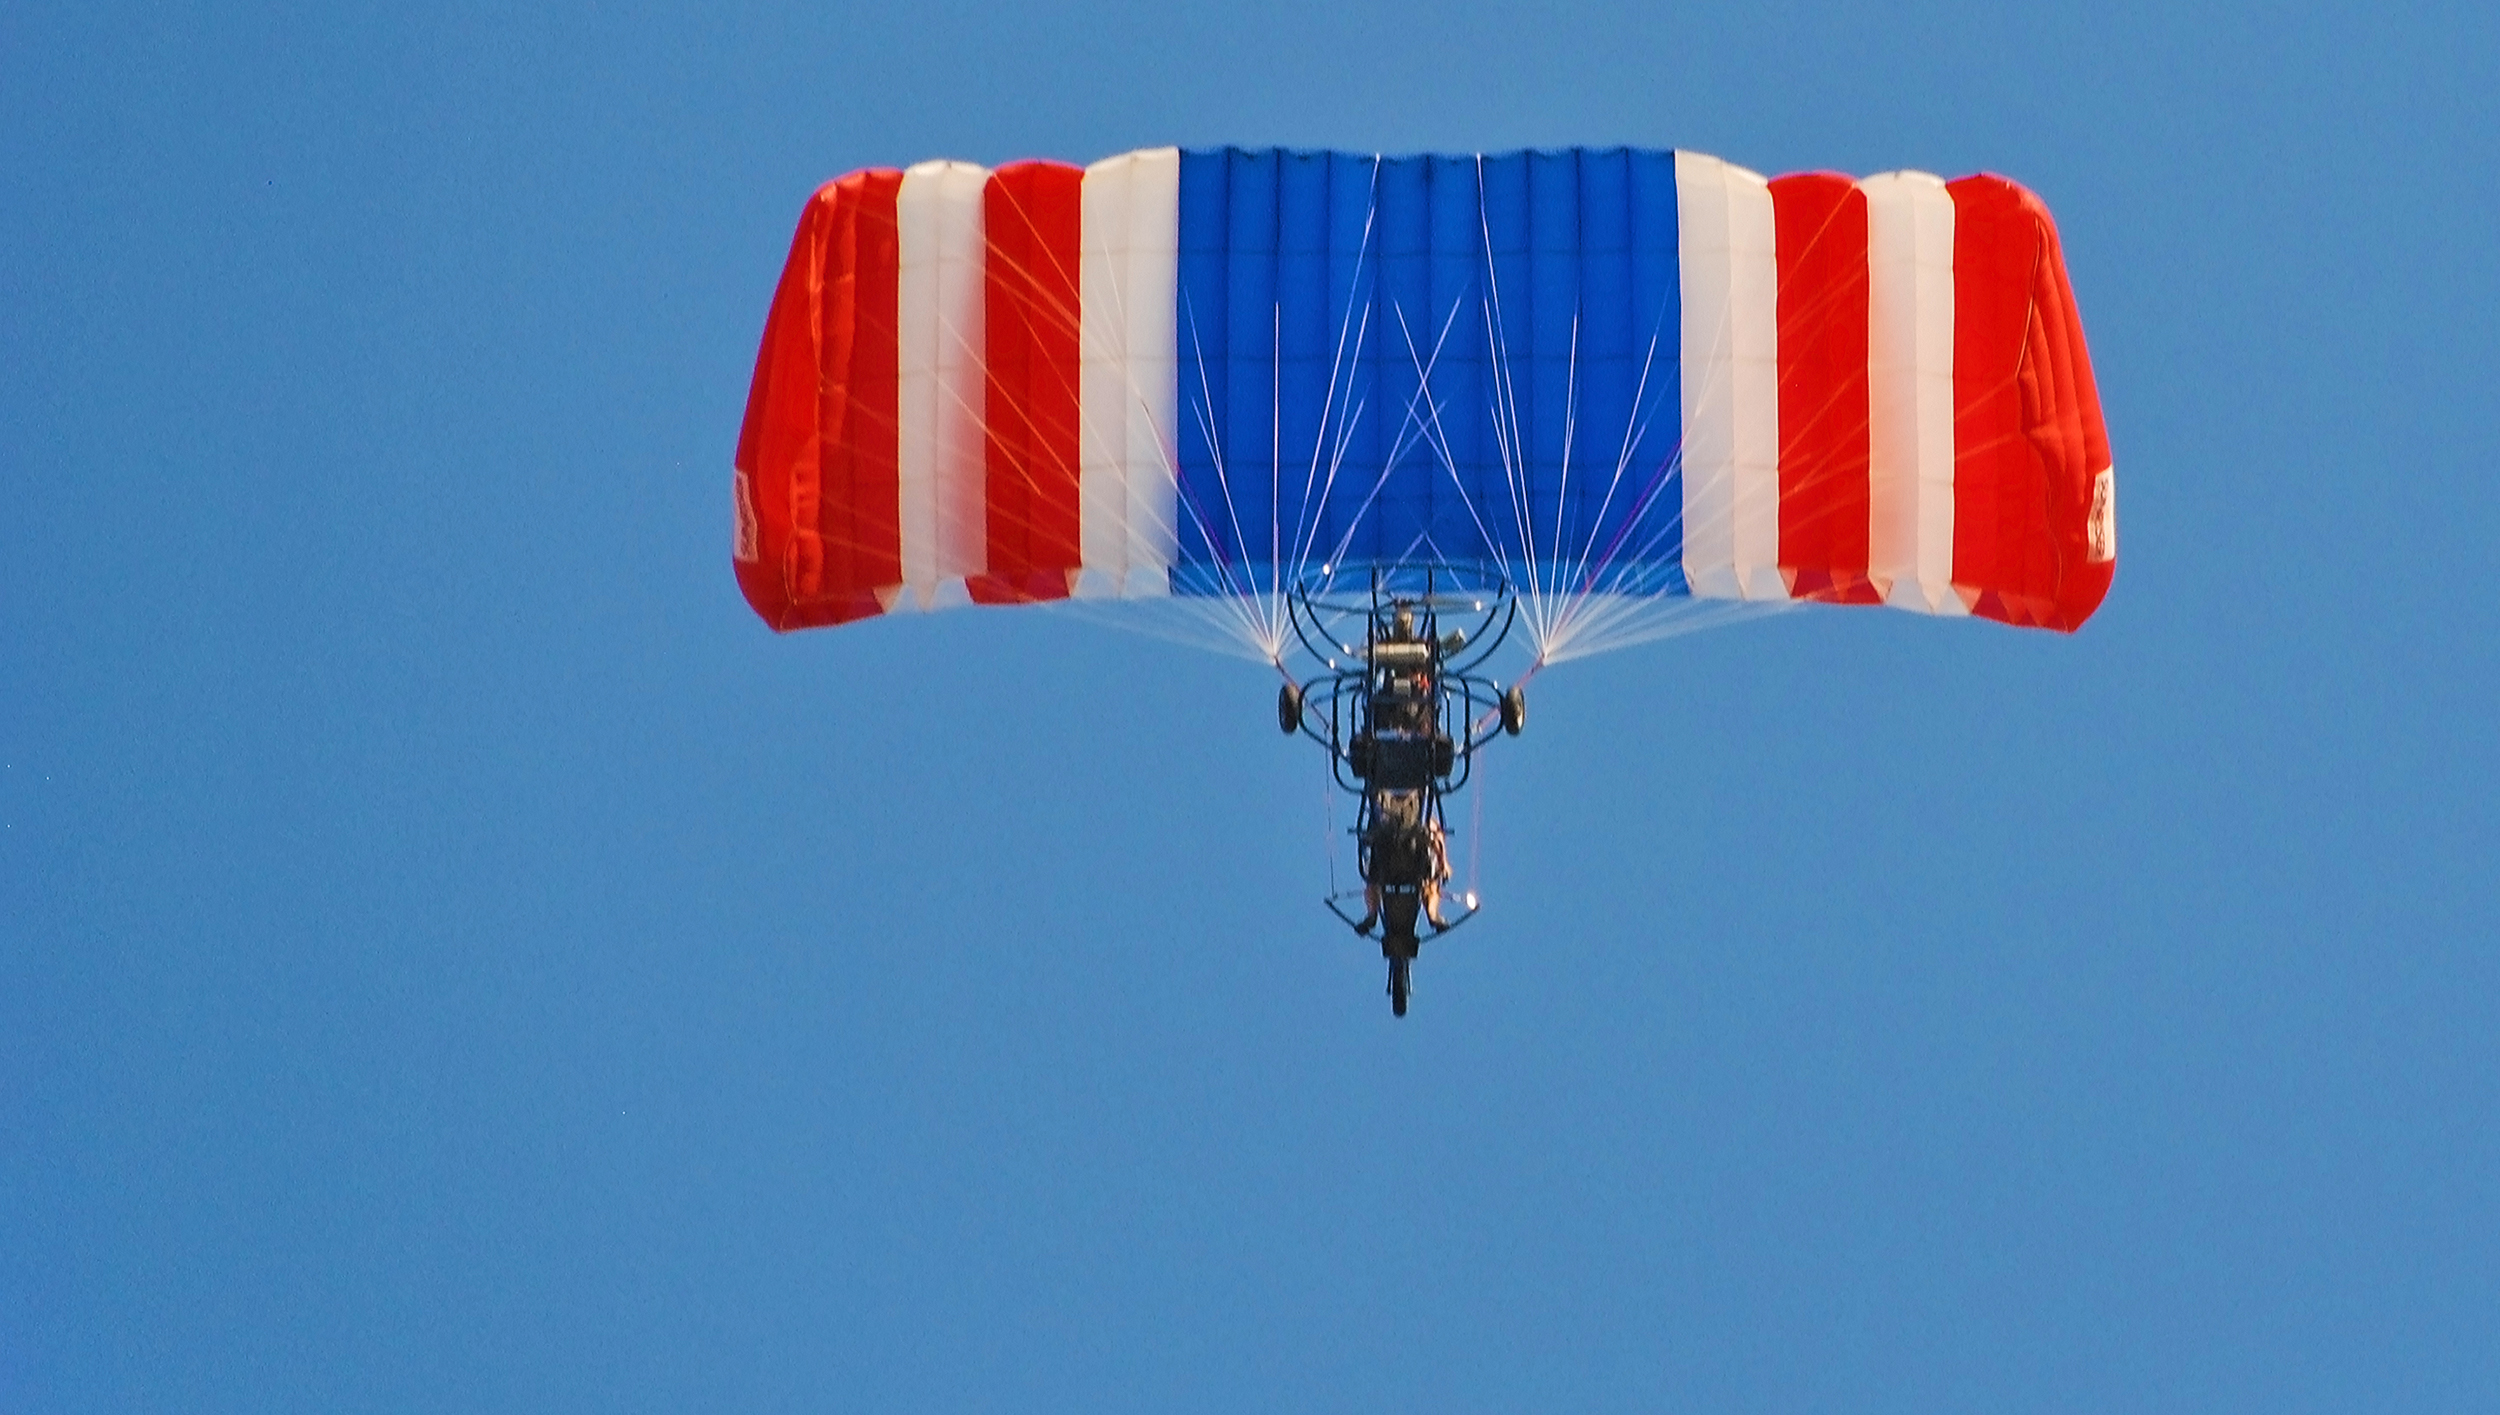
x,y
1515,710
1401,984
1289,708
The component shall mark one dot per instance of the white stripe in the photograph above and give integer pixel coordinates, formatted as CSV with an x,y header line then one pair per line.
x,y
1102,379
1709,396
1753,310
1909,258
1728,268
1148,299
943,500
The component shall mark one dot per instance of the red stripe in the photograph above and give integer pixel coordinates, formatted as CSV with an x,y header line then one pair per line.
x,y
2083,442
818,444
2026,420
862,397
780,427
2002,561
1033,215
1823,388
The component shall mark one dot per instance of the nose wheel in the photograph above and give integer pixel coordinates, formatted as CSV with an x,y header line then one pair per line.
x,y
1401,984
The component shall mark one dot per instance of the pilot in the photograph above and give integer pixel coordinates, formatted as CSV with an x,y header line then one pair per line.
x,y
1404,703
1406,706
1407,846
1436,869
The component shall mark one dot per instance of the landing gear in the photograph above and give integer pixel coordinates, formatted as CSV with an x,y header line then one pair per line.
x,y
1289,708
1398,908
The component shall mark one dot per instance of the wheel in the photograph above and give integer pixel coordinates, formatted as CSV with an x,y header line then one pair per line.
x,y
1401,983
1514,710
1289,708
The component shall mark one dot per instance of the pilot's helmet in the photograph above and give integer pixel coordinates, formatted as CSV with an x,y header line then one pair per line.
x,y
1403,625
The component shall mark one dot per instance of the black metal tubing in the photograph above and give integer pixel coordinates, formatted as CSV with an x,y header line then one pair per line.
x,y
1337,704
1303,603
1340,699
1508,608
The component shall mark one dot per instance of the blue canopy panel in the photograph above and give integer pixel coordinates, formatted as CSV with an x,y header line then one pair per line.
x,y
1468,364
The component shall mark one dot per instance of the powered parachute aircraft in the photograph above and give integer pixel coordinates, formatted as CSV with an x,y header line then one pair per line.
x,y
1412,429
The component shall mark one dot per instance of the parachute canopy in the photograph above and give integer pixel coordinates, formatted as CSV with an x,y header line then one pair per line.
x,y
1610,382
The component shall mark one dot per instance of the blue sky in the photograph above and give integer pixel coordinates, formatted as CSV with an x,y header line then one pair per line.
x,y
452,957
